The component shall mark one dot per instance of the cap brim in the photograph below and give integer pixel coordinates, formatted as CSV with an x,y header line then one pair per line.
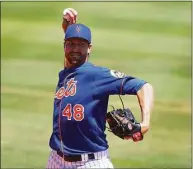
x,y
76,37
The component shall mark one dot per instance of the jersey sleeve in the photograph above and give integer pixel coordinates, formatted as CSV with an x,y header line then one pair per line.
x,y
111,82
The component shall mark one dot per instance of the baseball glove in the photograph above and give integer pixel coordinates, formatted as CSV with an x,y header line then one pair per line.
x,y
123,124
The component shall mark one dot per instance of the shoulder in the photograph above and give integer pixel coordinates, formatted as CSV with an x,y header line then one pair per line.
x,y
104,71
91,68
110,72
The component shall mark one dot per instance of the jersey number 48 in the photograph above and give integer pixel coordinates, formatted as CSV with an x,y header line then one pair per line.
x,y
77,112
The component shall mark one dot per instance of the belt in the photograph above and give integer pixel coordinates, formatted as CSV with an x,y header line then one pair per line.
x,y
73,158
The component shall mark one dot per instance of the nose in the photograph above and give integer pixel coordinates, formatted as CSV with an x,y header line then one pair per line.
x,y
75,48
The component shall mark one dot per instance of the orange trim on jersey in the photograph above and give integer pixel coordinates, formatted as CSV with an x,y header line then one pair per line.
x,y
121,89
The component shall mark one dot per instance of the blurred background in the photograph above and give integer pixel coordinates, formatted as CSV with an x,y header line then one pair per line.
x,y
149,40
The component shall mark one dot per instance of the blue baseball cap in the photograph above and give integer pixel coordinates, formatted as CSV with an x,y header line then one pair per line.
x,y
78,31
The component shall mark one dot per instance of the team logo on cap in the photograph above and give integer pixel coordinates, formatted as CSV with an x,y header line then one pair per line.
x,y
78,29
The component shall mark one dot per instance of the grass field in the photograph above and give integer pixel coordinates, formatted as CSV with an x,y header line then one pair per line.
x,y
150,40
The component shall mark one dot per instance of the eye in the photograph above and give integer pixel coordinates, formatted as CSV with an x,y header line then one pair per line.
x,y
82,44
69,44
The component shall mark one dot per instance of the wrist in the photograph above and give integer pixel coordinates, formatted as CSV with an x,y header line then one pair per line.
x,y
145,118
144,127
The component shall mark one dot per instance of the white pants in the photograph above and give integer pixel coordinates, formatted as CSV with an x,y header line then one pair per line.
x,y
101,160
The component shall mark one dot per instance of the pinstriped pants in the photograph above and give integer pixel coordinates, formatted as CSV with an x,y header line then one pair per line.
x,y
101,160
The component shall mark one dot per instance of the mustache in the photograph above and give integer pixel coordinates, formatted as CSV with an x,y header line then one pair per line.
x,y
76,53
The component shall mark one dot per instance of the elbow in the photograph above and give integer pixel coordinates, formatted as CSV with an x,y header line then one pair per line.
x,y
148,86
149,92
146,91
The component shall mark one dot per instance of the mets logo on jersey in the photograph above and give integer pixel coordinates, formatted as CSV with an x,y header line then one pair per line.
x,y
117,74
70,89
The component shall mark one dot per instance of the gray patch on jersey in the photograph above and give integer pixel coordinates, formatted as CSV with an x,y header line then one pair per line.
x,y
117,74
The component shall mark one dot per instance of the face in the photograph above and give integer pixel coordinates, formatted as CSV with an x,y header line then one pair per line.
x,y
76,51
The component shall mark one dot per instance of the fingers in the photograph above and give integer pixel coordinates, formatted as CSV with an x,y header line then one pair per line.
x,y
73,11
127,137
137,137
70,15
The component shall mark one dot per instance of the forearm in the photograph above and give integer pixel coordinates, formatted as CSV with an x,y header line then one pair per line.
x,y
65,24
145,99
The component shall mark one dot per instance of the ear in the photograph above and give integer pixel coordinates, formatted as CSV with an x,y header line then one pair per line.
x,y
89,48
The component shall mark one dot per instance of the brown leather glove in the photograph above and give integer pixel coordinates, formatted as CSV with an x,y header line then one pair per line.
x,y
123,124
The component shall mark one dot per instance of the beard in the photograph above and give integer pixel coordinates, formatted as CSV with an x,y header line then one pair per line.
x,y
75,58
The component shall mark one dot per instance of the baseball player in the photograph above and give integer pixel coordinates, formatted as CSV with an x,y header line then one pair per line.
x,y
78,138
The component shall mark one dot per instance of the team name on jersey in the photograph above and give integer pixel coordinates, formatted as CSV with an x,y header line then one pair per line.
x,y
70,89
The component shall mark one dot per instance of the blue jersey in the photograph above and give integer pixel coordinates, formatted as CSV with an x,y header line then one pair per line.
x,y
80,106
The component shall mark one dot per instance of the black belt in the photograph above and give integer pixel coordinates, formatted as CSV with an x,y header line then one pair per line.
x,y
73,158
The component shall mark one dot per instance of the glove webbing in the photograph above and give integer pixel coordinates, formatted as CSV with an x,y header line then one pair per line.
x,y
115,118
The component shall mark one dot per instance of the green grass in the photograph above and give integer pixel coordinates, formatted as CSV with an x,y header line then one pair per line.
x,y
149,40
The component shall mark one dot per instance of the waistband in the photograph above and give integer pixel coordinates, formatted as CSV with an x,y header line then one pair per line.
x,y
83,157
